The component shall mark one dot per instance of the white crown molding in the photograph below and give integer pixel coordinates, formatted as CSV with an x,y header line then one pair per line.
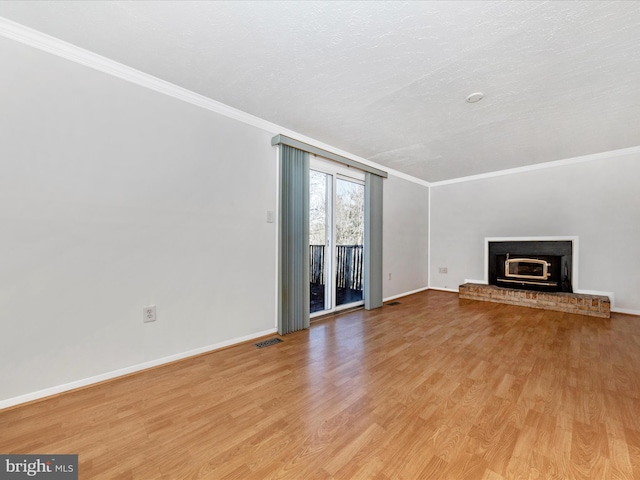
x,y
41,41
405,176
46,43
68,51
542,166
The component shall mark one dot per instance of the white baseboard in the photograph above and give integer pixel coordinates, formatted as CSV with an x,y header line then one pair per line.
x,y
626,310
611,295
47,392
441,289
393,297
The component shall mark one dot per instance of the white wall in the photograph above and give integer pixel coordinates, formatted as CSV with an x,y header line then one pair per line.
x,y
113,197
405,237
598,201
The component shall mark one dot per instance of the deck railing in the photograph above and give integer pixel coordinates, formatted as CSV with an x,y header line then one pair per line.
x,y
316,264
349,266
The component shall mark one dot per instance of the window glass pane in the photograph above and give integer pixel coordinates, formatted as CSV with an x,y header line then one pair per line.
x,y
349,212
318,245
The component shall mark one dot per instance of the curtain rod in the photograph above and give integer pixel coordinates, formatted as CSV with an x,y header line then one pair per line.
x,y
284,140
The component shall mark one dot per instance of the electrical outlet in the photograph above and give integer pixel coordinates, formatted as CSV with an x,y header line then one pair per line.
x,y
149,314
389,276
443,270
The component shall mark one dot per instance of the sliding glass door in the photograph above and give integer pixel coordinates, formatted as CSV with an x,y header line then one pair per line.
x,y
336,237
349,228
320,240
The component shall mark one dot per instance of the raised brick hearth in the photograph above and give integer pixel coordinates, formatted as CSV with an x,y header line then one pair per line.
x,y
593,305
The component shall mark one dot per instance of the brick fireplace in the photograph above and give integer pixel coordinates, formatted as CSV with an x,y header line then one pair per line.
x,y
534,272
581,304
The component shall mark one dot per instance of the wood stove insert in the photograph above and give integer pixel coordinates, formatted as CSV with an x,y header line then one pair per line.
x,y
531,265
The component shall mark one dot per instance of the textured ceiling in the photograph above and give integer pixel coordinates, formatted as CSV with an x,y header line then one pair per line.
x,y
387,81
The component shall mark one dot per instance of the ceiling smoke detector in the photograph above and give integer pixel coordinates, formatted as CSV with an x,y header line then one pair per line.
x,y
475,97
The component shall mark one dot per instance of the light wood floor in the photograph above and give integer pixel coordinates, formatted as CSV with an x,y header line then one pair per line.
x,y
434,388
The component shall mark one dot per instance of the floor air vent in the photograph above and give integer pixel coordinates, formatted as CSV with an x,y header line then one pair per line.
x,y
393,304
266,343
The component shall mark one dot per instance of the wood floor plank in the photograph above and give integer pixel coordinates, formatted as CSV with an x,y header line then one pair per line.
x,y
632,438
433,388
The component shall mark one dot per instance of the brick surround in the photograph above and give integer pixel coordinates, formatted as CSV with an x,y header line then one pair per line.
x,y
592,305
